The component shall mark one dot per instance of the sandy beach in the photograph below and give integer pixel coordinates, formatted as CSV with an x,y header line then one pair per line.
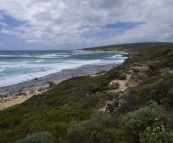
x,y
18,93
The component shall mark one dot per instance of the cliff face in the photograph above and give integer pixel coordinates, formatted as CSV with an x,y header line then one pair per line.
x,y
139,97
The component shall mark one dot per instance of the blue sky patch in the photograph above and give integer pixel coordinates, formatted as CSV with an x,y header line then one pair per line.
x,y
10,21
121,25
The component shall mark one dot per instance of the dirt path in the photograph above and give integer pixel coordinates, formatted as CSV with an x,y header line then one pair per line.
x,y
124,84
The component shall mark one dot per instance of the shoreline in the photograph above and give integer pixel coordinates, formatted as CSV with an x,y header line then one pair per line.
x,y
15,94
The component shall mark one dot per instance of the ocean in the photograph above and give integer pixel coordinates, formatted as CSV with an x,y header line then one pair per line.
x,y
21,66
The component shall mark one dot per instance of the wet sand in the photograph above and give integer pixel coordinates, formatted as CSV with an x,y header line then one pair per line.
x,y
18,93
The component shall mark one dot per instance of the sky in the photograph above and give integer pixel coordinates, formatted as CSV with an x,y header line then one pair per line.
x,y
74,24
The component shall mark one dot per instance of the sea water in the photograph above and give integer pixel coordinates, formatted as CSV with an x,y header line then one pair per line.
x,y
20,66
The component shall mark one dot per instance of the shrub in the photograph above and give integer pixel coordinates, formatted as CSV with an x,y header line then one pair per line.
x,y
156,133
170,93
113,135
41,137
78,132
94,130
157,65
164,101
140,123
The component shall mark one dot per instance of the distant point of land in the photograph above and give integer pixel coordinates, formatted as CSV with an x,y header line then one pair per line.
x,y
130,47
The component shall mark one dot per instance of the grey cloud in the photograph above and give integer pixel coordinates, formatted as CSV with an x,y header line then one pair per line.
x,y
81,22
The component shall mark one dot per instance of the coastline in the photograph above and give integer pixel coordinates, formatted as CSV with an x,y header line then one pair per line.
x,y
138,85
15,94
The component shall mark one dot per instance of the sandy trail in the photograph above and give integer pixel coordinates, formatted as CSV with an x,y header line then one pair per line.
x,y
123,86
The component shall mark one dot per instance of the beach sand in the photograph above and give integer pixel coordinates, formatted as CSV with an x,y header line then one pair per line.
x,y
17,99
18,93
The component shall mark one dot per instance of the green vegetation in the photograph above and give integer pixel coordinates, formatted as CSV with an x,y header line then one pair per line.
x,y
157,88
69,111
42,137
72,100
132,47
95,130
149,124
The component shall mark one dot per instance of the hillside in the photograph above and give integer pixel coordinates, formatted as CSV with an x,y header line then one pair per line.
x,y
131,48
69,112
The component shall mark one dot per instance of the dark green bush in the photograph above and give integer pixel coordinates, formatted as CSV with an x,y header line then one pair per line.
x,y
42,137
99,128
170,93
158,65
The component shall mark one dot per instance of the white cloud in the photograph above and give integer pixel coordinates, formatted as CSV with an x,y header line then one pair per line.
x,y
3,24
81,22
31,41
1,17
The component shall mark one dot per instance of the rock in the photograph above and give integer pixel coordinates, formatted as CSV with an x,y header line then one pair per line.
x,y
136,64
40,89
129,72
115,104
152,102
97,93
114,85
19,94
51,84
36,79
123,76
142,76
101,72
134,78
135,69
122,95
121,103
110,107
130,59
31,92
127,84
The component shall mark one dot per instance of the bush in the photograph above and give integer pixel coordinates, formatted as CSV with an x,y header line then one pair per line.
x,y
96,130
158,65
164,101
156,133
147,125
170,93
42,137
113,135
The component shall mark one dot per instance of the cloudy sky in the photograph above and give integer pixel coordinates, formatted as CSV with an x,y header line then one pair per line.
x,y
71,24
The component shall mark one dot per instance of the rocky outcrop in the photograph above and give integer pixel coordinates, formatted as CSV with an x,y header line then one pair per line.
x,y
51,84
142,76
152,102
117,103
114,85
135,69
122,76
129,71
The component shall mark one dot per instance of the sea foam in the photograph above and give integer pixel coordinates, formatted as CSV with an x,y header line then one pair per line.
x,y
20,66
